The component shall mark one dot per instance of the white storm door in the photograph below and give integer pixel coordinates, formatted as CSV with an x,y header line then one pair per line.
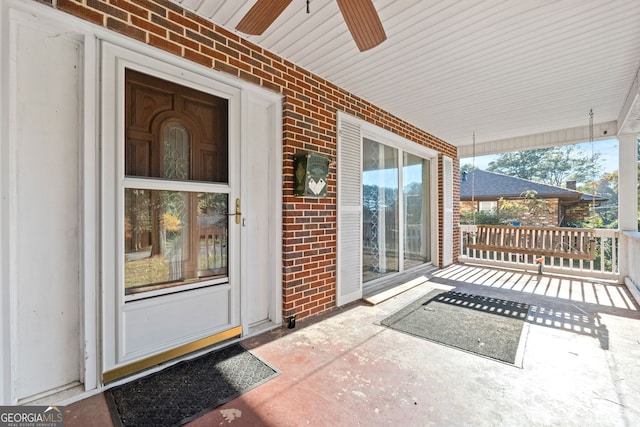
x,y
171,211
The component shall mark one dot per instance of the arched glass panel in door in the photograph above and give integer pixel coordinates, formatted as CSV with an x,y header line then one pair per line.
x,y
176,150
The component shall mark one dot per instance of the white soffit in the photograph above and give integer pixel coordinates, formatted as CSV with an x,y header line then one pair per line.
x,y
502,69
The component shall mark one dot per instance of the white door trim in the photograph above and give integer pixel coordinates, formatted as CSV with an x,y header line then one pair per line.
x,y
268,145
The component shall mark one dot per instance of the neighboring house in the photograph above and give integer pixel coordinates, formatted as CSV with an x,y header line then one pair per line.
x,y
489,191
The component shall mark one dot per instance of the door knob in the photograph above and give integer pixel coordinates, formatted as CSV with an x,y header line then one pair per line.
x,y
237,213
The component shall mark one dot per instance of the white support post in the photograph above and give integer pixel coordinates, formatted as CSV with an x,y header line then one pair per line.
x,y
627,193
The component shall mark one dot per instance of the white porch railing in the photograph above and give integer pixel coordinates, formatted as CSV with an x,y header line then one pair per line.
x,y
632,279
605,264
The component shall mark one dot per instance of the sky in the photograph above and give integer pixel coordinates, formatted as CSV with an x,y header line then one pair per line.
x,y
608,153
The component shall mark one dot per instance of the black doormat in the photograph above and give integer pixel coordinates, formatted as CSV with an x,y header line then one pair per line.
x,y
489,327
187,390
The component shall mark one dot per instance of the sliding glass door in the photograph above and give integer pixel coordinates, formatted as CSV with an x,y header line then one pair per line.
x,y
415,190
395,232
380,210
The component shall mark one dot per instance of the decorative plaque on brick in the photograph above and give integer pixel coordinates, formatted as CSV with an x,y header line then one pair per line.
x,y
310,175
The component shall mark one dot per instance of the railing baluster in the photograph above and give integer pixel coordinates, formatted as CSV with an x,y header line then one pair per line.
x,y
548,243
614,252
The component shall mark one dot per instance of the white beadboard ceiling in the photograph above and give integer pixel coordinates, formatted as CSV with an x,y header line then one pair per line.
x,y
502,69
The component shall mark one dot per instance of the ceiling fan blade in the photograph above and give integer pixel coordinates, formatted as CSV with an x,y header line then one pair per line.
x,y
363,22
261,15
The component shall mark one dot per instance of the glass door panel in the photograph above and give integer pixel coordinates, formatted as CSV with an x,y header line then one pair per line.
x,y
415,183
174,238
380,245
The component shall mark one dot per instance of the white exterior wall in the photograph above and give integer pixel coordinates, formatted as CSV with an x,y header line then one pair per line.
x,y
41,239
46,245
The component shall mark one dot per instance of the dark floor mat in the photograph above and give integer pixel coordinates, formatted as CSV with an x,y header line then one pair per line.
x,y
187,390
486,326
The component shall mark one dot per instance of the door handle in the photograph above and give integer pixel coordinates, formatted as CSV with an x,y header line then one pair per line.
x,y
237,213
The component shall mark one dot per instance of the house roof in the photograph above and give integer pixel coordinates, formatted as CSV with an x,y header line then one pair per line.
x,y
492,186
506,70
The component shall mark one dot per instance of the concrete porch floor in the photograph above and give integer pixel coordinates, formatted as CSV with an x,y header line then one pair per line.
x,y
581,364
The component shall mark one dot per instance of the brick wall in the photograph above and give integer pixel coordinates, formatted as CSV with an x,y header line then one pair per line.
x,y
309,112
577,212
547,215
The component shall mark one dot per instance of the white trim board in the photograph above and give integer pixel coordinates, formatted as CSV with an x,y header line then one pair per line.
x,y
396,290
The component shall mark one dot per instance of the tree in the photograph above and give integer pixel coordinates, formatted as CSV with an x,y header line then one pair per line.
x,y
608,210
521,163
554,166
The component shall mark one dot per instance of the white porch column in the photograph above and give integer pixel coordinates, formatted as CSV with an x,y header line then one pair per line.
x,y
627,193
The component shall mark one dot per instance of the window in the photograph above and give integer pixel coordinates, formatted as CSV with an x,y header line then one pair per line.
x,y
490,206
175,186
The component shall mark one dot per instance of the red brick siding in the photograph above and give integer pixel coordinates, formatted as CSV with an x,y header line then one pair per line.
x,y
577,212
456,210
309,115
547,216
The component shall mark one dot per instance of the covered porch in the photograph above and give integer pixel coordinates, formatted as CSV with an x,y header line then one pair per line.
x,y
510,75
342,368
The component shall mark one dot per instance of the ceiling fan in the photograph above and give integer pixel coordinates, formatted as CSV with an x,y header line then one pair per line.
x,y
360,16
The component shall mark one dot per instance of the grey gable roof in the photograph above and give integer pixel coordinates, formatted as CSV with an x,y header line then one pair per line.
x,y
492,186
